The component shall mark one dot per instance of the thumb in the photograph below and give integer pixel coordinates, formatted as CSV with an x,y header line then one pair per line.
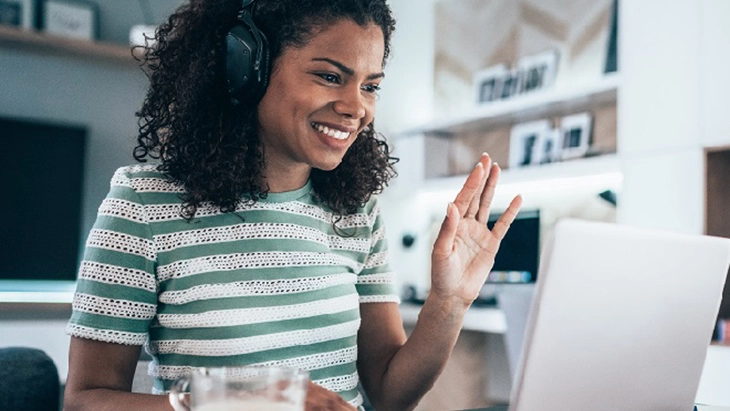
x,y
445,240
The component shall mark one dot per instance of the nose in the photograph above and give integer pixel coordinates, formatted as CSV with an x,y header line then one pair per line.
x,y
350,103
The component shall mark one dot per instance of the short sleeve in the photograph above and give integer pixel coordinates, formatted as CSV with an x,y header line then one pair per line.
x,y
376,282
116,293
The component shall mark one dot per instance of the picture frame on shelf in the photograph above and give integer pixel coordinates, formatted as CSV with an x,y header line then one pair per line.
x,y
538,71
575,135
525,140
76,19
18,13
511,84
488,83
547,149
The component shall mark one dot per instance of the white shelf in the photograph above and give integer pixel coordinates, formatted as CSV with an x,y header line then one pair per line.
x,y
573,171
527,107
488,320
40,292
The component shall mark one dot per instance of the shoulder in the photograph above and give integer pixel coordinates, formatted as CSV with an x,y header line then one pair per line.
x,y
144,178
372,209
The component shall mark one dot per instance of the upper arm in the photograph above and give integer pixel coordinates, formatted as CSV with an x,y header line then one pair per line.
x,y
381,335
95,364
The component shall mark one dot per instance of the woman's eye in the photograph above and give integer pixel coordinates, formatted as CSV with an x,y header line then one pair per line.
x,y
330,78
371,88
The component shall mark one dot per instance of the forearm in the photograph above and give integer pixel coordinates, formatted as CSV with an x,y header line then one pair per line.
x,y
414,368
103,399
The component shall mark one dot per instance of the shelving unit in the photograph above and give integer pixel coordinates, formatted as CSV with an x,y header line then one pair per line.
x,y
500,115
608,165
526,107
48,44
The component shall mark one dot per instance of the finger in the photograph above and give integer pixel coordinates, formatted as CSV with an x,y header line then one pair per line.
x,y
445,240
506,219
485,202
468,191
486,162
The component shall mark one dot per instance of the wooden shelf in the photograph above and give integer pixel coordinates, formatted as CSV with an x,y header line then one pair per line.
x,y
49,44
532,106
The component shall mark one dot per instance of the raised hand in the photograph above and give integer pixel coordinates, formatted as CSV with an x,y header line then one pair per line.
x,y
465,248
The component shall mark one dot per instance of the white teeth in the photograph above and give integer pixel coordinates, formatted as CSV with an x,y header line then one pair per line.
x,y
339,135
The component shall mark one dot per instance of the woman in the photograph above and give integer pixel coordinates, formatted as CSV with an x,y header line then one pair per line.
x,y
256,238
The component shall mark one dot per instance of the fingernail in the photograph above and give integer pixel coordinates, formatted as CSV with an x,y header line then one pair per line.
x,y
479,164
448,207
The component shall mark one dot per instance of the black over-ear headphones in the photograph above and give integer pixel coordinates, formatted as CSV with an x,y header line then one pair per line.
x,y
247,59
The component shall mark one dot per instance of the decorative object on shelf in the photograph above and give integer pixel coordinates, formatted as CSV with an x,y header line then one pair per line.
x,y
143,34
538,71
610,196
20,13
524,142
511,84
547,149
488,83
500,82
575,135
70,18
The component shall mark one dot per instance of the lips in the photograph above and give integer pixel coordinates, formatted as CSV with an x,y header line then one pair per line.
x,y
331,132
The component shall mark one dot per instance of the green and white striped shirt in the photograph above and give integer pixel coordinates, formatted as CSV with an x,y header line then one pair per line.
x,y
273,283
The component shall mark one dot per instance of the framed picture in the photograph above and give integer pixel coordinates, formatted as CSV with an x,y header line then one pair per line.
x,y
70,18
511,84
524,142
538,71
488,83
575,135
547,149
20,13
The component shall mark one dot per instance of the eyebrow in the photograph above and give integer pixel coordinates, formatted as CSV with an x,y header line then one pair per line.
x,y
346,69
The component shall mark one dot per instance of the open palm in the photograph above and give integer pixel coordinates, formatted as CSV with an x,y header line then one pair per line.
x,y
465,248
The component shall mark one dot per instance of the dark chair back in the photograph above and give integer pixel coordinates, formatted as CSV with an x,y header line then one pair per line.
x,y
28,380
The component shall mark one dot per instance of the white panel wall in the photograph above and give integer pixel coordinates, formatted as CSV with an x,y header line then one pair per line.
x,y
659,65
664,191
659,130
714,63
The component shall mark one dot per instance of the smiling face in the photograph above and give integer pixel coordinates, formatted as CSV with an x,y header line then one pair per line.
x,y
320,96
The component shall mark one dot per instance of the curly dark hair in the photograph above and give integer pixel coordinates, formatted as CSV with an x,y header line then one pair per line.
x,y
211,146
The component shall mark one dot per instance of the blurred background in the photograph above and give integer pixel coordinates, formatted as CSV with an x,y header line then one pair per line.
x,y
594,109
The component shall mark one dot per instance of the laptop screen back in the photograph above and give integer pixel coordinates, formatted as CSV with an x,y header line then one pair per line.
x,y
622,318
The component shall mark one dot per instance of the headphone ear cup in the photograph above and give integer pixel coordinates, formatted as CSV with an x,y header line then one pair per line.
x,y
247,63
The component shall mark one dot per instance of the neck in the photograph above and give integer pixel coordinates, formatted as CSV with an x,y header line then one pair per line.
x,y
283,179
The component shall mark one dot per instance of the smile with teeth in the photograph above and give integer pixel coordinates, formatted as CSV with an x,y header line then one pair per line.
x,y
330,132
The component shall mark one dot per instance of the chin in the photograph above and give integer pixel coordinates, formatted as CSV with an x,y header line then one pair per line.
x,y
328,167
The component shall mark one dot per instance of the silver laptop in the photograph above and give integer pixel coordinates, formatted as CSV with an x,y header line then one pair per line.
x,y
621,319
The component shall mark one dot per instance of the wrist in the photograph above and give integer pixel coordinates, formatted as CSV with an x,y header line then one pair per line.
x,y
452,309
